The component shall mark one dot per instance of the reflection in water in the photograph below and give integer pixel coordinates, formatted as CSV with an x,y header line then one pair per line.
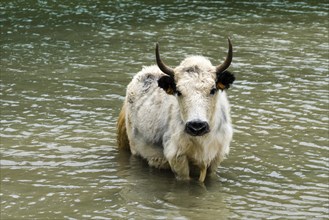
x,y
159,191
64,69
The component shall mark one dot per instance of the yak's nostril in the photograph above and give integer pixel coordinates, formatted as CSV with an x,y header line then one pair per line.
x,y
197,128
197,125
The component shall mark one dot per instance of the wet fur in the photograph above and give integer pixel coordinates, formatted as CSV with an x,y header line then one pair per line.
x,y
122,138
151,122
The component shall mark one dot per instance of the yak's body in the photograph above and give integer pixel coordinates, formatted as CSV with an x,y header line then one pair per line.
x,y
153,121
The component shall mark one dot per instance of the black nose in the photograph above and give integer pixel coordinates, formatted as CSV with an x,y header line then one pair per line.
x,y
197,128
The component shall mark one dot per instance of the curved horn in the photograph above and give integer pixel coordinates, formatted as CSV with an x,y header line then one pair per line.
x,y
228,60
163,67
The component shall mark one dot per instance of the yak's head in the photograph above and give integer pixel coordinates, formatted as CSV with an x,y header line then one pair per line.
x,y
197,85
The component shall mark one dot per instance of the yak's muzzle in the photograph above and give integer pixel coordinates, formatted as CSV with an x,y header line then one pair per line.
x,y
197,128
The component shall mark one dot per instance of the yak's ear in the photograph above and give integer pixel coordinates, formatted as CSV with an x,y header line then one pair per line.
x,y
168,84
224,80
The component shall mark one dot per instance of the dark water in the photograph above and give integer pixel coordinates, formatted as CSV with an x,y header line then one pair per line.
x,y
64,69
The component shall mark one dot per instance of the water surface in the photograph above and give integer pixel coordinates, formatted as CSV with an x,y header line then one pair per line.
x,y
64,70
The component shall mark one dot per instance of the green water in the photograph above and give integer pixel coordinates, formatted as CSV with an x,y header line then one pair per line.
x,y
64,69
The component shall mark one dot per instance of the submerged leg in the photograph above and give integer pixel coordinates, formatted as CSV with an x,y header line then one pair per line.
x,y
203,173
180,167
158,162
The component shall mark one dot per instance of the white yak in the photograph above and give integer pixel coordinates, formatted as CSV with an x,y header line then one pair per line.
x,y
179,117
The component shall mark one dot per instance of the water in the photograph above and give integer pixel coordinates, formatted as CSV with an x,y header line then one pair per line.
x,y
64,69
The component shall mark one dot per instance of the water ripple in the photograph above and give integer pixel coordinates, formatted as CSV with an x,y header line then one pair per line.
x,y
64,70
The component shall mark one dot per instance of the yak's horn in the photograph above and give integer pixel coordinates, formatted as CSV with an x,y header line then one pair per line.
x,y
228,60
163,67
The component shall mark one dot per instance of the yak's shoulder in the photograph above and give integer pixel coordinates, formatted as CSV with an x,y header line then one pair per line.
x,y
146,80
148,73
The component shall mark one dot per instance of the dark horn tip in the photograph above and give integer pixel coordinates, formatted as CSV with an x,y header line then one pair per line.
x,y
156,46
163,67
228,60
229,43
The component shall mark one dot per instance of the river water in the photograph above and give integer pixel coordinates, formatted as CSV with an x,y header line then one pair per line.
x,y
64,69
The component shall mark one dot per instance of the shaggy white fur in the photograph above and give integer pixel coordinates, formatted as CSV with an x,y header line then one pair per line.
x,y
156,121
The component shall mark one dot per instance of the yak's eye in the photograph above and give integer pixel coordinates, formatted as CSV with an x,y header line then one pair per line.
x,y
178,93
213,91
